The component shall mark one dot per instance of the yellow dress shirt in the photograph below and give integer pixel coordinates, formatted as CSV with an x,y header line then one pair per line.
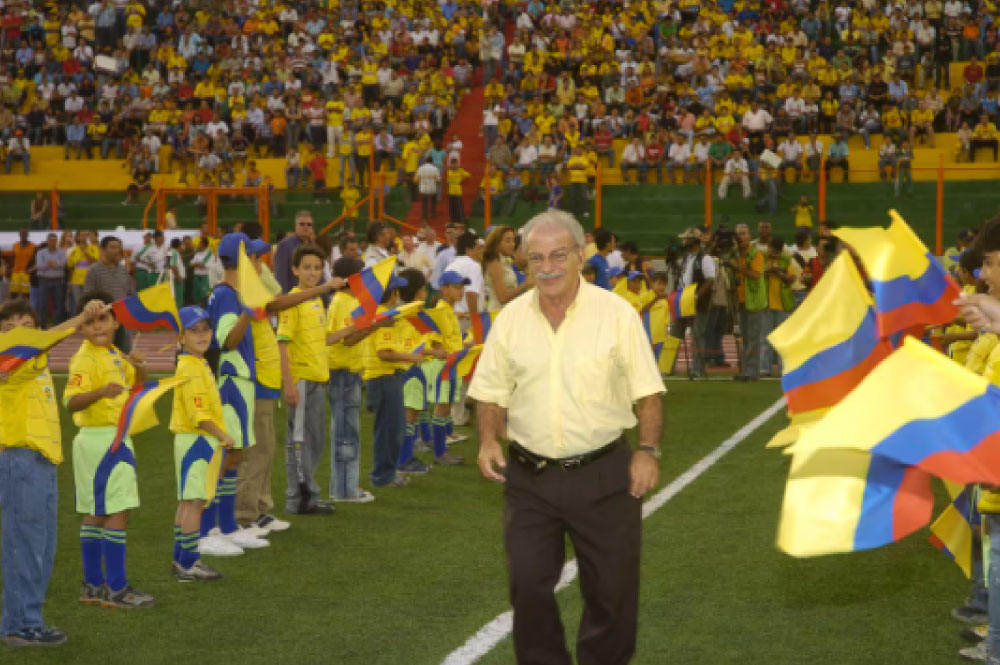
x,y
567,391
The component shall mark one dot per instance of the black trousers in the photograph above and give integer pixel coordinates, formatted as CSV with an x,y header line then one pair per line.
x,y
593,507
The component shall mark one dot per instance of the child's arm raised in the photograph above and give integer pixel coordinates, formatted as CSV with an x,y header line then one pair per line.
x,y
84,400
289,300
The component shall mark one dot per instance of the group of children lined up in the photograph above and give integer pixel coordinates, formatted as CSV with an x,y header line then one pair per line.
x,y
316,354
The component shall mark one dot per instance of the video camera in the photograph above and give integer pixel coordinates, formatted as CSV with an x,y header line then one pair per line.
x,y
723,243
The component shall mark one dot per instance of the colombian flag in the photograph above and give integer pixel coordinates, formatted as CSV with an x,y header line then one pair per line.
x,y
20,345
481,324
682,303
668,353
911,288
458,364
654,322
830,342
407,311
424,323
149,309
849,500
138,414
919,409
251,288
368,286
951,532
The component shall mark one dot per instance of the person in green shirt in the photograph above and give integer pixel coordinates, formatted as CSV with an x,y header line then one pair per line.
x,y
718,152
752,294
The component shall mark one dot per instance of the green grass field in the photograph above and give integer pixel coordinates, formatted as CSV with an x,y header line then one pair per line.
x,y
410,577
647,214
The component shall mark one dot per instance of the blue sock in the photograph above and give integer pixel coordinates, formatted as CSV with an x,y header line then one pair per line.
x,y
210,515
440,436
227,502
177,543
189,549
406,452
425,427
114,558
91,539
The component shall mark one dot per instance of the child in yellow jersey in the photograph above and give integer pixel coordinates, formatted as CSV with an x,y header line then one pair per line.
x,y
199,430
958,338
304,373
344,358
635,292
384,352
440,390
414,380
96,393
350,195
30,451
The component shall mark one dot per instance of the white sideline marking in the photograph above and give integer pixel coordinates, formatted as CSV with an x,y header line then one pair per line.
x,y
491,634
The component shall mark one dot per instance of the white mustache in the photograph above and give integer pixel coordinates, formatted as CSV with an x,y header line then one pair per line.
x,y
549,275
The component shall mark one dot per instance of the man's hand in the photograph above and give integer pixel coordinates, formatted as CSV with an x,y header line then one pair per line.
x,y
644,473
335,283
491,461
112,390
980,311
292,395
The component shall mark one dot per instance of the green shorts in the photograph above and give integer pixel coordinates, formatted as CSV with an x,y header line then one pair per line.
x,y
238,397
197,476
415,391
439,394
105,481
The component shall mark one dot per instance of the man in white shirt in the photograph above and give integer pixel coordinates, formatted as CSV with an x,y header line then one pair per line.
x,y
428,178
445,255
700,151
795,107
679,157
425,249
469,253
756,120
19,147
790,151
380,239
735,170
813,152
634,157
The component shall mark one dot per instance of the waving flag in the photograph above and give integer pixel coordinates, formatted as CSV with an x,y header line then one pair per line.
x,y
481,324
407,311
251,288
654,321
918,408
682,303
149,309
139,414
911,288
424,323
951,532
368,286
458,364
849,500
668,353
830,342
20,345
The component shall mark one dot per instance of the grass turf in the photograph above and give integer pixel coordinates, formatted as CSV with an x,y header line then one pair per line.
x,y
408,578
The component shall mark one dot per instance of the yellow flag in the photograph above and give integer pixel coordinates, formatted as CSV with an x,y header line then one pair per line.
x,y
251,288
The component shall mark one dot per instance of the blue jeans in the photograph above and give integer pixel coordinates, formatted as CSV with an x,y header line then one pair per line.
x,y
343,393
25,158
53,290
770,319
385,399
750,327
29,503
992,522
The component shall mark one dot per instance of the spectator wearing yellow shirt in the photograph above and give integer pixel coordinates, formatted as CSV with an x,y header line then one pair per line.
x,y
780,272
922,124
984,135
78,261
362,154
334,127
579,168
412,152
350,195
455,176
892,123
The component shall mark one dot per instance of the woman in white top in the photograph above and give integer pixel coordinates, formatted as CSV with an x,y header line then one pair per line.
x,y
498,270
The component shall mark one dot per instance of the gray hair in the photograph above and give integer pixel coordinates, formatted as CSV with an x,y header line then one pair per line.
x,y
301,214
554,219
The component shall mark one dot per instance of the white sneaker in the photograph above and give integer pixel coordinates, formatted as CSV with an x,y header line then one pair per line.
x,y
452,439
218,546
246,540
255,530
362,496
271,523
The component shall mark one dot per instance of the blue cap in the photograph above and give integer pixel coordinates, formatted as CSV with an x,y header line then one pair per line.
x,y
396,283
450,277
192,315
258,247
632,274
614,272
229,248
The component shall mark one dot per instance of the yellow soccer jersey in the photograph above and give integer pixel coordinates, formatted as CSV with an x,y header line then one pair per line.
x,y
409,339
450,336
638,300
31,410
338,317
980,351
79,261
267,359
197,399
382,339
303,328
93,367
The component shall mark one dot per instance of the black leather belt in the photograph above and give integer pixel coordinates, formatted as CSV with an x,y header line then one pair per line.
x,y
538,463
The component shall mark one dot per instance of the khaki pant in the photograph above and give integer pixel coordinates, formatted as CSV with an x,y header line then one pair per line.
x,y
253,486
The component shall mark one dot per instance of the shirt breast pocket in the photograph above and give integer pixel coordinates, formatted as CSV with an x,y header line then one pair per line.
x,y
595,377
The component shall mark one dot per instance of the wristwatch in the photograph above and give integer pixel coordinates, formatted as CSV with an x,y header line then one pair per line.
x,y
652,450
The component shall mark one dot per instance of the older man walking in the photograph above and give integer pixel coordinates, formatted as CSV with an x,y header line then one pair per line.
x,y
559,375
111,276
304,232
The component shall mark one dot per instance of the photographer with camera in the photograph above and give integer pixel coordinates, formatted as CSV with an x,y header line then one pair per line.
x,y
697,268
752,293
720,244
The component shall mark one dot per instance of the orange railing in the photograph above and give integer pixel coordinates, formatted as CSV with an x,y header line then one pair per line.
x,y
159,201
